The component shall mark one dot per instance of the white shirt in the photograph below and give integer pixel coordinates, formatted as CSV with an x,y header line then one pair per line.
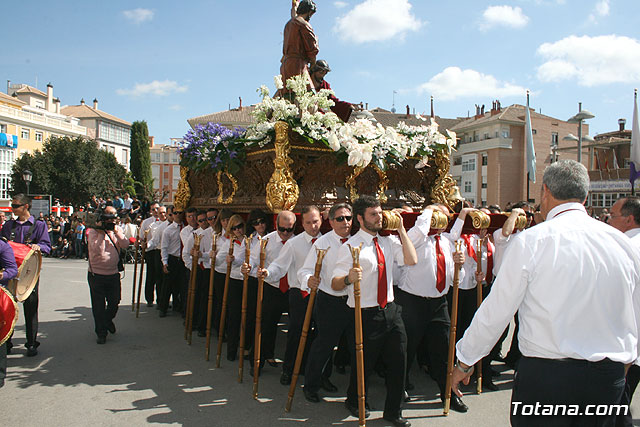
x,y
255,249
332,242
421,279
170,242
238,257
468,279
291,259
127,203
574,281
130,230
634,235
221,264
274,246
188,245
187,231
501,244
392,251
145,226
155,235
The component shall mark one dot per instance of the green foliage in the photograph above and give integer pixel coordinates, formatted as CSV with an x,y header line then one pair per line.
x,y
141,159
72,170
128,185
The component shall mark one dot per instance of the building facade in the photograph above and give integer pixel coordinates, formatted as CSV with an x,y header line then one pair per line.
x,y
111,133
165,169
489,162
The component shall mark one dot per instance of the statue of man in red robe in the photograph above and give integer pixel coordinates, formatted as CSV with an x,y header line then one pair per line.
x,y
320,69
300,45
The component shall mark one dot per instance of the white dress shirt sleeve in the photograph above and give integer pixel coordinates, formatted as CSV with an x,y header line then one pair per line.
x,y
308,269
279,267
164,246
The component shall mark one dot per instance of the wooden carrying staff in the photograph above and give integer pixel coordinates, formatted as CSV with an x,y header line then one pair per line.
x,y
452,332
223,312
355,254
192,290
214,244
479,300
258,335
144,249
305,329
135,274
243,318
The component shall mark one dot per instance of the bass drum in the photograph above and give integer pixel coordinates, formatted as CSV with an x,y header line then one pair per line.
x,y
8,314
29,264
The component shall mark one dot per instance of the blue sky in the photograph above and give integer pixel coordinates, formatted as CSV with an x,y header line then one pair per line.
x,y
167,61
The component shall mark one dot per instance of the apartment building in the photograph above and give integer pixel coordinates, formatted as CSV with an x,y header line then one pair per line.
x,y
165,168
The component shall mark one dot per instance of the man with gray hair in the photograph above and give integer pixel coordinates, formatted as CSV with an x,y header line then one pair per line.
x,y
574,282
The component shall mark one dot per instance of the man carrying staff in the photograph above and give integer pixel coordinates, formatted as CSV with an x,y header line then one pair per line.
x,y
382,328
154,245
300,45
25,229
287,264
149,257
172,265
574,282
331,314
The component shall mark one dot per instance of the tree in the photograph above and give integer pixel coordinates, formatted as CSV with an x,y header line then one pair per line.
x,y
141,159
72,170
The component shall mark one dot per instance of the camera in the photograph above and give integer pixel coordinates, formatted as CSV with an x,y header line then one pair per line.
x,y
95,219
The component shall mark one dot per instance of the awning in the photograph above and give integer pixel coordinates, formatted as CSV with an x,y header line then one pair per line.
x,y
8,140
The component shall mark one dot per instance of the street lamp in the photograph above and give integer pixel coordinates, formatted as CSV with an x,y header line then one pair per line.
x,y
578,118
27,175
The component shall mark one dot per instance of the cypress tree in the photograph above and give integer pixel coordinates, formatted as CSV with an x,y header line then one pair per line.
x,y
141,159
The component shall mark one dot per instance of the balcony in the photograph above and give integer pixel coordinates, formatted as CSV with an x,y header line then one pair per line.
x,y
25,118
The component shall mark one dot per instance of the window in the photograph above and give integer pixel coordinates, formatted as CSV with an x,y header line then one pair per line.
x,y
25,134
467,187
505,134
3,128
176,172
484,185
469,165
475,136
486,135
554,138
38,103
125,157
458,180
166,157
155,172
497,134
38,136
457,161
174,158
533,131
485,160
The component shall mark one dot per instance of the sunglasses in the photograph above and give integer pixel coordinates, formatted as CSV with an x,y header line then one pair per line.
x,y
237,227
343,218
16,206
202,220
177,212
211,218
285,230
258,222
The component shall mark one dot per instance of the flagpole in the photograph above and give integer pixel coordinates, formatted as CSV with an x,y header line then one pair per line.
x,y
634,130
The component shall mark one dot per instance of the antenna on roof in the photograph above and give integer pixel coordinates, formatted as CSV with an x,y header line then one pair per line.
x,y
393,104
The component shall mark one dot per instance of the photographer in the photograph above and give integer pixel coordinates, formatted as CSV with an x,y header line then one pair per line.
x,y
104,245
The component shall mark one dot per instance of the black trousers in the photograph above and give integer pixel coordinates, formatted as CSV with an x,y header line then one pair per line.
x,y
218,292
384,336
565,382
632,379
105,297
234,314
467,306
274,303
184,290
3,364
201,302
30,306
427,318
152,259
297,311
171,284
333,318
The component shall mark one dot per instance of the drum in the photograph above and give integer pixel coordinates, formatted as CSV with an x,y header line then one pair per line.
x,y
8,314
29,264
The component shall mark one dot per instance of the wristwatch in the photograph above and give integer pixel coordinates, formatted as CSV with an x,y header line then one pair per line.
x,y
346,281
463,370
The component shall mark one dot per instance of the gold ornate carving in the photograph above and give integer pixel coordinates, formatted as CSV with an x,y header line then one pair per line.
x,y
479,220
183,195
282,190
234,187
439,221
390,220
444,191
383,183
350,183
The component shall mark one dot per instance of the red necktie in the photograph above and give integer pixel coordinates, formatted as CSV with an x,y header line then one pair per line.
x,y
382,275
344,240
284,283
470,249
441,278
490,251
314,240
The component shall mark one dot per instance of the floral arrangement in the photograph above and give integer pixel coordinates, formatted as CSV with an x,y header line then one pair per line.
x,y
359,143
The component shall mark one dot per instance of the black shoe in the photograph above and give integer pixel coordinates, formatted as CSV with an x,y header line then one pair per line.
x,y
163,314
101,340
494,373
273,363
285,378
231,357
9,347
397,421
406,397
328,385
354,409
311,396
489,385
456,404
32,351
112,327
149,304
341,369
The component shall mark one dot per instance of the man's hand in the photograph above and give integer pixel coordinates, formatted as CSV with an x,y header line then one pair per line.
x,y
479,276
195,252
212,254
458,257
263,273
165,268
458,376
313,282
246,268
464,212
510,223
355,274
230,258
35,247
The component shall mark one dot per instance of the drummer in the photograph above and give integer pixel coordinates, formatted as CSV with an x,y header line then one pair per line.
x,y
25,229
8,272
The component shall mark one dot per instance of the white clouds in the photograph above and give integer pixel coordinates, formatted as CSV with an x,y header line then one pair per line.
x,y
340,4
377,20
138,16
156,87
600,10
591,61
503,16
453,83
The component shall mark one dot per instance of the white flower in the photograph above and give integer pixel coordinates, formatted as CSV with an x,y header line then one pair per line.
x,y
263,91
333,141
419,117
278,82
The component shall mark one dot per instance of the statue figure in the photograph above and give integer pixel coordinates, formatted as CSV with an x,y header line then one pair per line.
x,y
300,45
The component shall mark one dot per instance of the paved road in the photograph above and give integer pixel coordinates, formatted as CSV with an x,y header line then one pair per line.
x,y
146,373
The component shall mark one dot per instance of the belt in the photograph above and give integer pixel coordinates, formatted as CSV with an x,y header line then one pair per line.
x,y
340,297
377,308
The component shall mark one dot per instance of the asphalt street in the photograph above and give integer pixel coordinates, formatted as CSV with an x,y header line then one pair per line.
x,y
146,373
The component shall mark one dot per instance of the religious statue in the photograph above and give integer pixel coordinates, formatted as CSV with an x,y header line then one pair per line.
x,y
300,46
